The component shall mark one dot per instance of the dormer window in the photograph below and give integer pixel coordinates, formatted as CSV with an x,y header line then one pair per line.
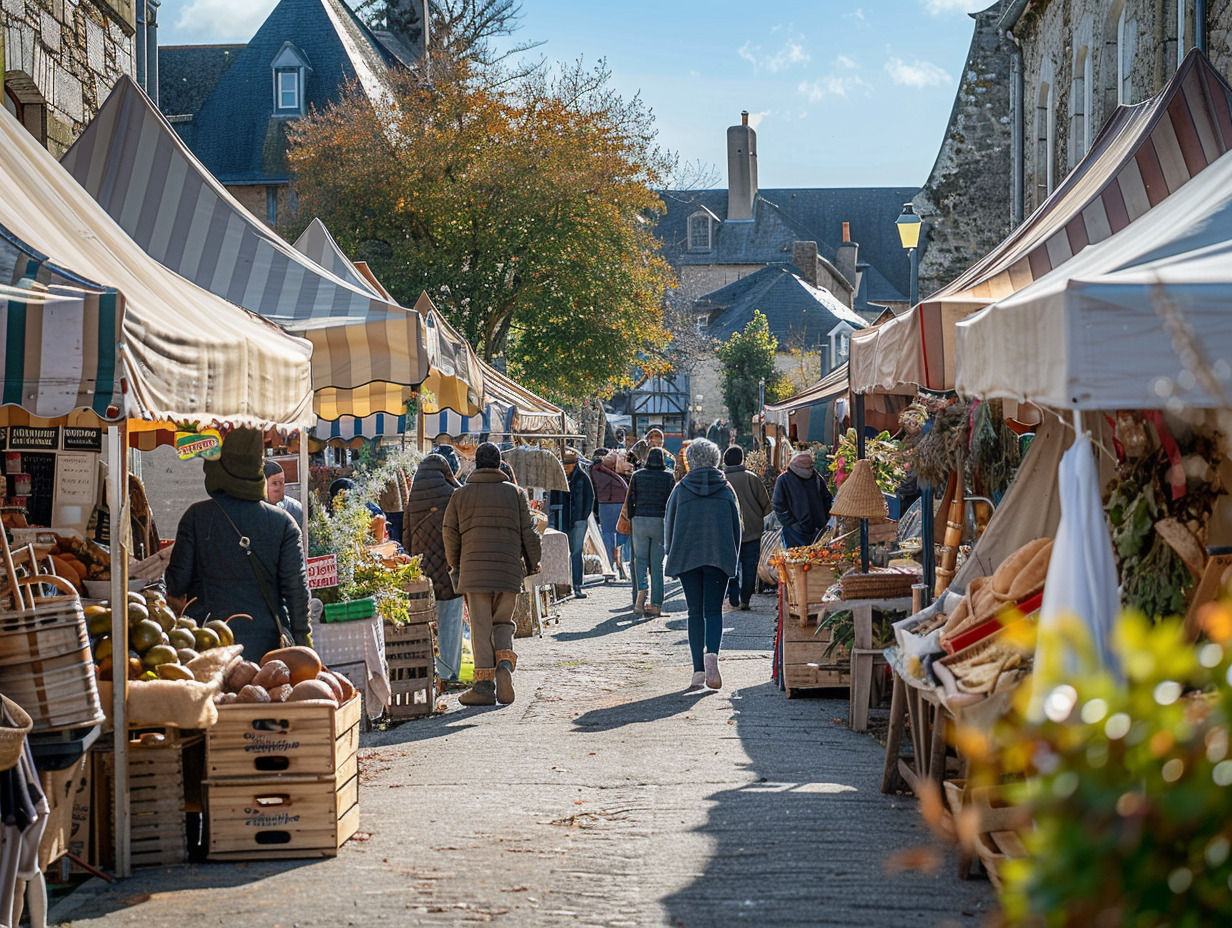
x,y
290,70
701,230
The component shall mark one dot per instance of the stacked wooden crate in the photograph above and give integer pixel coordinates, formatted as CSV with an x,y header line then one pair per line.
x,y
410,651
805,662
282,779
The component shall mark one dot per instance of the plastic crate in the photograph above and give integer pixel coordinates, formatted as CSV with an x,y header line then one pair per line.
x,y
346,642
353,611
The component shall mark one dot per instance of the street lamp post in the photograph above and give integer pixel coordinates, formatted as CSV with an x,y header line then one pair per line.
x,y
908,224
761,406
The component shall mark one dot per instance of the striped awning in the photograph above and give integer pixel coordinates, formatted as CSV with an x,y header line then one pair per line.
x,y
181,352
366,349
1143,154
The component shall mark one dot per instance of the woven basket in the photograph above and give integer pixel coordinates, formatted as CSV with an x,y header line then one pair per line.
x,y
888,584
859,497
12,739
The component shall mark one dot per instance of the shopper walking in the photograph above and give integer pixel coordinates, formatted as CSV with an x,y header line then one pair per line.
x,y
276,492
754,507
654,438
702,532
434,485
801,501
491,548
610,492
578,504
649,490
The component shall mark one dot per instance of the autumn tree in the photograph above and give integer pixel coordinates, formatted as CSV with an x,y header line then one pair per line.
x,y
524,210
747,357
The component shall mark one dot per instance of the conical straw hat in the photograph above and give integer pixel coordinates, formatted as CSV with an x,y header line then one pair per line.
x,y
859,497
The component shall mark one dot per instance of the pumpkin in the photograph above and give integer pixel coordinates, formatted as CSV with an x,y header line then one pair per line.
x,y
311,689
303,662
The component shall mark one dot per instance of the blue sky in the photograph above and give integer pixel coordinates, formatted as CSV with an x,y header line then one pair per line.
x,y
853,93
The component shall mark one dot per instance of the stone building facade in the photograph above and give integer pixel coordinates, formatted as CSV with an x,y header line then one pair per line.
x,y
1041,79
61,58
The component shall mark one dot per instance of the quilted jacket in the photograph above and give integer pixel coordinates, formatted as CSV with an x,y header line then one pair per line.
x,y
434,484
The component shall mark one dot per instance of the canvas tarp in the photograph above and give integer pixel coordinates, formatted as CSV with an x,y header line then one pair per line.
x,y
1143,154
184,354
366,350
1092,334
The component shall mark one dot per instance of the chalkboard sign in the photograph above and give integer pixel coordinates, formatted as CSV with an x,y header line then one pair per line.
x,y
30,438
79,439
42,471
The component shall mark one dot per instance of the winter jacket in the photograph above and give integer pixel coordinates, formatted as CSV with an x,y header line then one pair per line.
x,y
580,501
610,487
702,524
648,492
431,490
803,507
489,541
208,565
753,498
536,467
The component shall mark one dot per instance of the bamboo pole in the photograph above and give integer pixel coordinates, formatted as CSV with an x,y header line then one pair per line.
x,y
953,533
117,502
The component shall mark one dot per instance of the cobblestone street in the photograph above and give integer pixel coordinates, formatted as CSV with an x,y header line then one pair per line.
x,y
604,796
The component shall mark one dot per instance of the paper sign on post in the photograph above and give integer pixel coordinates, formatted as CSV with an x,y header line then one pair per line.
x,y
322,572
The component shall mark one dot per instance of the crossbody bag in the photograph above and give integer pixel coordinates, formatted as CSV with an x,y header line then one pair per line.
x,y
262,578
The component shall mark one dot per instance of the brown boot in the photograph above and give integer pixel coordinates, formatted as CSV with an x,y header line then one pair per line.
x,y
482,691
506,663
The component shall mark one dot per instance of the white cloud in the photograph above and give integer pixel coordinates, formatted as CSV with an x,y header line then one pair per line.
x,y
916,73
857,14
221,20
942,7
842,81
755,119
792,52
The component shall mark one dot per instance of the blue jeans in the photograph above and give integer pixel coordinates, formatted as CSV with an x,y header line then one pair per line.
x,y
740,587
648,555
577,539
609,515
449,637
703,591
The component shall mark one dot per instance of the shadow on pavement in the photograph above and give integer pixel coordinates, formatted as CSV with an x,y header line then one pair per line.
x,y
654,709
623,620
809,839
435,726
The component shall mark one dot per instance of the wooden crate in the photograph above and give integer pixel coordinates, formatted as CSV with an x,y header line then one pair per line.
x,y
805,662
806,586
281,817
412,686
798,677
414,642
262,739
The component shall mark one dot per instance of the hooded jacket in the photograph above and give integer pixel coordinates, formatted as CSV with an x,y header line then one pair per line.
x,y
803,507
753,498
649,491
610,487
431,490
702,524
489,540
580,502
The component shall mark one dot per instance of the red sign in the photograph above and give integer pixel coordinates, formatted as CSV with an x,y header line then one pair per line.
x,y
322,571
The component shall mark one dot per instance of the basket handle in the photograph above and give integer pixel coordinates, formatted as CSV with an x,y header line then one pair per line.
x,y
52,580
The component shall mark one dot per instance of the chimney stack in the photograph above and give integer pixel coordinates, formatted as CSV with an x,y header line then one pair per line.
x,y
804,257
847,258
741,170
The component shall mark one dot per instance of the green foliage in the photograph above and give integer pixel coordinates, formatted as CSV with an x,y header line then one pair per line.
x,y
387,585
746,358
882,452
1129,785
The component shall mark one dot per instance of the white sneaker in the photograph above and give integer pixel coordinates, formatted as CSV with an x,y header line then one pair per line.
x,y
711,675
699,680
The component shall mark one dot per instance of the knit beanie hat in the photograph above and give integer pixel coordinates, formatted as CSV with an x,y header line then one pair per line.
x,y
271,468
654,459
488,455
238,470
733,456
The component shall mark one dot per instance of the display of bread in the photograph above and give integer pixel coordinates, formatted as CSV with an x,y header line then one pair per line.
x,y
1020,576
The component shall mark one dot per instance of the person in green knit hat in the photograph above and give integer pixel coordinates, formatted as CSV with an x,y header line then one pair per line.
x,y
239,558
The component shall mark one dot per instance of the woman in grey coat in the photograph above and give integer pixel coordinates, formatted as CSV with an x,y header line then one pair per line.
x,y
702,538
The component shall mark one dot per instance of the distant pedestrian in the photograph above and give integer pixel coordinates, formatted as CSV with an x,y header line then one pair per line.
x,y
649,490
434,485
610,491
702,532
754,507
578,504
654,438
276,490
491,547
801,501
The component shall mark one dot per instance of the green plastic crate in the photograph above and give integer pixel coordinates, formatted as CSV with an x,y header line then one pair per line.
x,y
353,611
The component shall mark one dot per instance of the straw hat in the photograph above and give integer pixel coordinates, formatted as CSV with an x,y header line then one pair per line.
x,y
859,497
15,724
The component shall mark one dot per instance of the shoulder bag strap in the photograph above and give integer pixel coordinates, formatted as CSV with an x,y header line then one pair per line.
x,y
259,572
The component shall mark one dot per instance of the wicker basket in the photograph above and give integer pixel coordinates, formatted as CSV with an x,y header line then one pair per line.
x,y
882,584
15,724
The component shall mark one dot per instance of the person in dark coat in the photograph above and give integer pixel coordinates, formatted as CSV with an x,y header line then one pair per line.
x,y
491,546
801,501
578,504
702,532
754,507
649,490
434,484
610,491
239,558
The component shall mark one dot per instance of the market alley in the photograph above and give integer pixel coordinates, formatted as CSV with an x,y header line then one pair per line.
x,y
604,796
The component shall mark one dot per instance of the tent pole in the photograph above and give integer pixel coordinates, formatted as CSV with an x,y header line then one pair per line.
x,y
928,532
858,409
117,502
304,493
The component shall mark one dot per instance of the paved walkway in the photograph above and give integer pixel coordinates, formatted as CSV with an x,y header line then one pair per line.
x,y
605,796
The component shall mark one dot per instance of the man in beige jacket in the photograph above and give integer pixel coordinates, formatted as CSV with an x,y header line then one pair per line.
x,y
491,548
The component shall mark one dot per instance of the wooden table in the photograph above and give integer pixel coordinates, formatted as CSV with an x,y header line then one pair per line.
x,y
864,657
930,725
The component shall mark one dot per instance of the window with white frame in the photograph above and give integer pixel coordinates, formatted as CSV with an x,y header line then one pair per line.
x,y
1045,141
287,90
699,232
703,323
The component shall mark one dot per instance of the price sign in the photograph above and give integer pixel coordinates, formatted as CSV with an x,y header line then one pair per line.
x,y
322,572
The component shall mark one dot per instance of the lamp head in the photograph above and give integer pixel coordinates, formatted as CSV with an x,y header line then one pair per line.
x,y
908,224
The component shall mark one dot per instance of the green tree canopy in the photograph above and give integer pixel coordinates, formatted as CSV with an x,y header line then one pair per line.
x,y
746,358
521,209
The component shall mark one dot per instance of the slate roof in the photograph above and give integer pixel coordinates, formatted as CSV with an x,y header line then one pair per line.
x,y
783,216
790,304
187,74
234,133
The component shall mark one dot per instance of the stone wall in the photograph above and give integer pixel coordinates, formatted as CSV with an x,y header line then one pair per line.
x,y
61,57
254,198
698,280
966,200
